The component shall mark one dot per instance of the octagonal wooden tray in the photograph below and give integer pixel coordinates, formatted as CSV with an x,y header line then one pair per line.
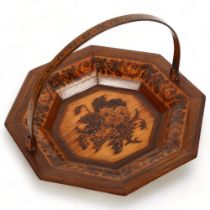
x,y
107,119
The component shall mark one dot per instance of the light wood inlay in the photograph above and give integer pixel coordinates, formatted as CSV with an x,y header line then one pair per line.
x,y
108,125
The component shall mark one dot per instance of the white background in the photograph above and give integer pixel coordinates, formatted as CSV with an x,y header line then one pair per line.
x,y
33,31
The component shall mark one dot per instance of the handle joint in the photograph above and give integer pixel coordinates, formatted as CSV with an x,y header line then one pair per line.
x,y
30,144
174,75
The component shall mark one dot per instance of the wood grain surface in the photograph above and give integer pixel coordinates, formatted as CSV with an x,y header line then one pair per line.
x,y
124,129
171,126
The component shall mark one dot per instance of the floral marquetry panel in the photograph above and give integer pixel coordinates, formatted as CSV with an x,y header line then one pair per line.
x,y
106,124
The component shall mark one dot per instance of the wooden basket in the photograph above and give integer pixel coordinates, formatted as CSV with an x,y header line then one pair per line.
x,y
107,119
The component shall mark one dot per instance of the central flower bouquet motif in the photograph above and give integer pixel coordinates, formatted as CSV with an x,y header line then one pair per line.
x,y
110,122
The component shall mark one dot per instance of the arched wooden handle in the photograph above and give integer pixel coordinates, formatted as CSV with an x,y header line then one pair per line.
x,y
72,46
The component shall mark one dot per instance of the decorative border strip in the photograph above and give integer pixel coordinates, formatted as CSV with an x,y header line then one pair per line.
x,y
148,74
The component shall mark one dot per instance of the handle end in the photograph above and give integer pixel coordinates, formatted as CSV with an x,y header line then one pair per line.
x,y
174,75
30,144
